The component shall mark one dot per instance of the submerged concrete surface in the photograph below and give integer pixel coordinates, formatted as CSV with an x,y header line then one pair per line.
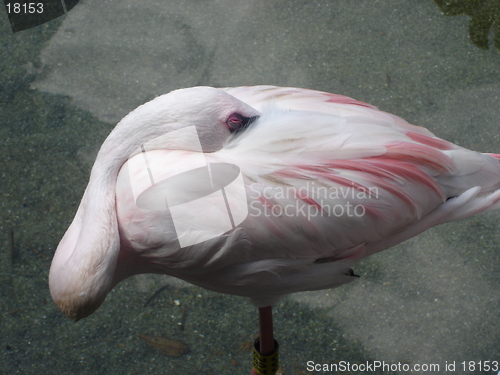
x,y
432,299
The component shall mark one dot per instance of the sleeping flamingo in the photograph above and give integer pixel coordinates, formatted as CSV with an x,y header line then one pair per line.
x,y
327,180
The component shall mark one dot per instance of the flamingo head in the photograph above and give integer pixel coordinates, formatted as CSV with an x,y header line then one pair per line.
x,y
215,113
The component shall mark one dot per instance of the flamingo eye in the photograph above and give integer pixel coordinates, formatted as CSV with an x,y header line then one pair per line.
x,y
234,121
237,122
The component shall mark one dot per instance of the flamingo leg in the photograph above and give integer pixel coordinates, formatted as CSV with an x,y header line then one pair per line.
x,y
266,330
267,345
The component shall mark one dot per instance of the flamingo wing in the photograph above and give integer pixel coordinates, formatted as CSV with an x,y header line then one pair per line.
x,y
330,173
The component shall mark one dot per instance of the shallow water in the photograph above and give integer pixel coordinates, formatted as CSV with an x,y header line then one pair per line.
x,y
432,300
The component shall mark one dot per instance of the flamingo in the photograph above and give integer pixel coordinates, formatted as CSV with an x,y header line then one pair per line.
x,y
327,180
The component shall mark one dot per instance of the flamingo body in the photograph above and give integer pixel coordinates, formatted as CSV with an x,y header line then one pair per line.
x,y
327,181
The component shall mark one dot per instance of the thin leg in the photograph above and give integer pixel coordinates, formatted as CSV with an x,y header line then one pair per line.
x,y
266,332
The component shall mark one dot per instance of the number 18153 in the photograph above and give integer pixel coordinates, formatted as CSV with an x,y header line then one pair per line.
x,y
480,366
26,8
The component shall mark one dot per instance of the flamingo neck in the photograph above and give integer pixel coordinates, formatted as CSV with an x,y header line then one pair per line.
x,y
84,263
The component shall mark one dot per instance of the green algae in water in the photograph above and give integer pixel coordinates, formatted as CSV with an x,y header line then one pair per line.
x,y
485,16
